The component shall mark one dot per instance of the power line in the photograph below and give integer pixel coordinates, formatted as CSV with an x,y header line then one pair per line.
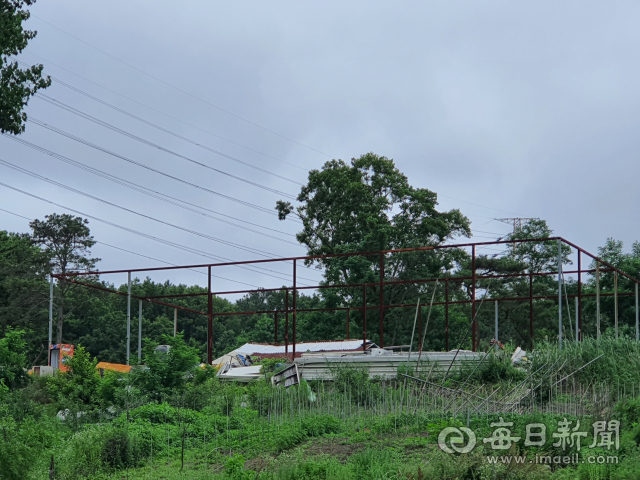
x,y
58,81
184,91
151,237
155,145
147,191
144,256
149,217
75,111
126,159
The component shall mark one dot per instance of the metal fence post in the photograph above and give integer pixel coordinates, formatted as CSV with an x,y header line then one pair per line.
x,y
446,314
51,318
209,319
531,310
474,326
128,317
637,316
597,299
496,334
139,331
175,322
295,294
364,317
615,301
560,294
579,306
381,299
577,320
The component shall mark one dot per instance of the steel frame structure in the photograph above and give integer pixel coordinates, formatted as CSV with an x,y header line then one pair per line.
x,y
380,307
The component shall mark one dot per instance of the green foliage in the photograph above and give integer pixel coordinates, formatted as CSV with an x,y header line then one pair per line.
x,y
16,85
13,359
78,385
166,372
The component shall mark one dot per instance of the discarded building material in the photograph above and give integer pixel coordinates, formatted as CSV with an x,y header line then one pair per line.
x,y
383,365
287,377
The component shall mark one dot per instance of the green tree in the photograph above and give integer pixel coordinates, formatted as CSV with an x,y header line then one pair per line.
x,y
66,240
167,371
79,384
16,85
23,291
13,359
369,205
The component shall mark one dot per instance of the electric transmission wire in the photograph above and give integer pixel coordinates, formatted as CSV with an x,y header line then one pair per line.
x,y
150,192
155,145
35,121
147,256
151,237
184,91
115,205
58,81
75,111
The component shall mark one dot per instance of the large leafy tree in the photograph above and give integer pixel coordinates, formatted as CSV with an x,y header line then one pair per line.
x,y
66,240
16,85
23,295
369,205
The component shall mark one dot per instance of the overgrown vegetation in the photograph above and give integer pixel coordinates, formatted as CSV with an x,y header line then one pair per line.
x,y
173,419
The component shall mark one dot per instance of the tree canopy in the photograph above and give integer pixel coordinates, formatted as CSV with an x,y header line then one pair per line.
x,y
17,85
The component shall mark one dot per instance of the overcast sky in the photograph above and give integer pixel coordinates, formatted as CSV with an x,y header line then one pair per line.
x,y
504,109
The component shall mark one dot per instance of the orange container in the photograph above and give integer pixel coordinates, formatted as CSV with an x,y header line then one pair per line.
x,y
59,355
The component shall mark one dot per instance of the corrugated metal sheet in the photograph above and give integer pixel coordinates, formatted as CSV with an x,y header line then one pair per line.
x,y
335,346
386,366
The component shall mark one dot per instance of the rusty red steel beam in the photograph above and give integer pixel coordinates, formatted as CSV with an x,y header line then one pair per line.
x,y
315,257
148,299
386,282
407,305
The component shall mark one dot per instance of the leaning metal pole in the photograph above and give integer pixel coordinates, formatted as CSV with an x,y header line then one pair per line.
x,y
128,317
560,294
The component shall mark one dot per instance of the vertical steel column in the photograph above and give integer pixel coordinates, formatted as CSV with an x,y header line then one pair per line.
x,y
577,321
496,334
209,320
128,317
637,317
286,325
579,306
560,294
347,324
420,327
446,314
381,299
364,317
615,301
175,322
474,326
531,311
275,340
597,299
139,331
50,318
295,294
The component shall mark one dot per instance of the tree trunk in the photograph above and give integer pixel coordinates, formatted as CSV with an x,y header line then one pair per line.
x,y
60,311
